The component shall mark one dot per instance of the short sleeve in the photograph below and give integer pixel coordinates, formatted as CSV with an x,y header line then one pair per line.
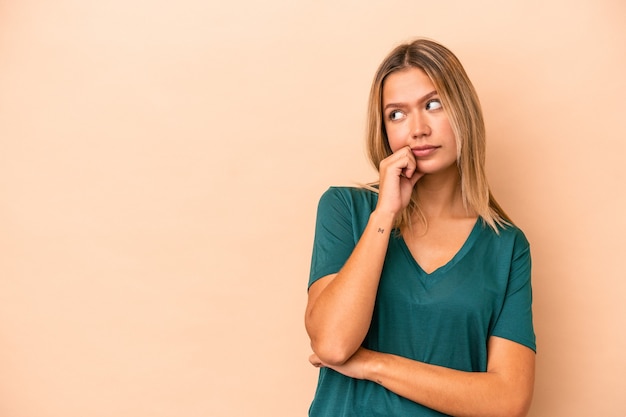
x,y
334,238
515,321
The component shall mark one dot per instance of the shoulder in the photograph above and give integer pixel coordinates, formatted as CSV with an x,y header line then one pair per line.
x,y
508,238
347,206
507,232
514,233
349,196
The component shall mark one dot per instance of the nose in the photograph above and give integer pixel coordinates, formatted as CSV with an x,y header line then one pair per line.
x,y
419,126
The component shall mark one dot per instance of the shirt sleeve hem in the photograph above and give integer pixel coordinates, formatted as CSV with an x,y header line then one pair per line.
x,y
520,340
321,273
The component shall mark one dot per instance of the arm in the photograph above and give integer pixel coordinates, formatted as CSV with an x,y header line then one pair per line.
x,y
505,389
340,306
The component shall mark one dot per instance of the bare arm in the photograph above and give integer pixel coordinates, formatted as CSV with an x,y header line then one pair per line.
x,y
505,389
340,306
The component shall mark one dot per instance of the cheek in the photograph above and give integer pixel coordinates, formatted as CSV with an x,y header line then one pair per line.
x,y
446,129
395,137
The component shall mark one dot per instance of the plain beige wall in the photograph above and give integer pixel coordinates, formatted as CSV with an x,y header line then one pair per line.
x,y
160,165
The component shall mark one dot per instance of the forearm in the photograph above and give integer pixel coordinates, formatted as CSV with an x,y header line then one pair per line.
x,y
457,393
502,391
338,318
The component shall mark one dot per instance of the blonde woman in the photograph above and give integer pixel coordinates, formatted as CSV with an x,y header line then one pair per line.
x,y
419,300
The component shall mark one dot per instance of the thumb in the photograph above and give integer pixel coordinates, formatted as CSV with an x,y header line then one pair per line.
x,y
416,177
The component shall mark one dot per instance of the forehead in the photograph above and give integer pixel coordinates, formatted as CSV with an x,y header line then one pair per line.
x,y
407,84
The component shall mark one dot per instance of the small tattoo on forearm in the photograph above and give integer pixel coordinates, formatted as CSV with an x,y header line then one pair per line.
x,y
381,230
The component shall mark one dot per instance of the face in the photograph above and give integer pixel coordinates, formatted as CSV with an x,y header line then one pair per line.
x,y
413,116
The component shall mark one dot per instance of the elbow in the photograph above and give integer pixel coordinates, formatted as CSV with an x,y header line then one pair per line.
x,y
330,347
517,406
515,411
522,409
332,353
522,402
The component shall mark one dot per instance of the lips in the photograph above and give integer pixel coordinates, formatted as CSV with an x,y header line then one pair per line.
x,y
424,150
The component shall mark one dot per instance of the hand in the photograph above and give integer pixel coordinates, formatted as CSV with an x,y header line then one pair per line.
x,y
398,176
355,367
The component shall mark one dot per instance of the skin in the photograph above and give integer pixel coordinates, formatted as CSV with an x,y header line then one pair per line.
x,y
340,306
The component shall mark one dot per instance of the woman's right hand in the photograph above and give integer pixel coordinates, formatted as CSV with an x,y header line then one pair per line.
x,y
398,176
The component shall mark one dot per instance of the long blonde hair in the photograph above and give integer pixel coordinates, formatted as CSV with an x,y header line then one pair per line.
x,y
460,101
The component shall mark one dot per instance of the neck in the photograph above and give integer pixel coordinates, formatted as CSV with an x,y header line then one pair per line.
x,y
439,195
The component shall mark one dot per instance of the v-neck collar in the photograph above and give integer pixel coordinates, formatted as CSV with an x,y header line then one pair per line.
x,y
467,245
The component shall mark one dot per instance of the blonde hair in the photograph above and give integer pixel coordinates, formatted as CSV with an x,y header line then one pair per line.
x,y
461,104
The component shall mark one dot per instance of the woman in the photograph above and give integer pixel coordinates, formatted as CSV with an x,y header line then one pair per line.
x,y
419,300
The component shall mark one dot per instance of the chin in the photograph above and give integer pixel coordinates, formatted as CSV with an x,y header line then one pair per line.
x,y
432,167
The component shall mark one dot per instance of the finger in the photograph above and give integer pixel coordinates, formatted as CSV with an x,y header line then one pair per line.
x,y
398,160
411,164
415,178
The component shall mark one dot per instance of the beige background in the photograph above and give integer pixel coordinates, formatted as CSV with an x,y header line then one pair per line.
x,y
161,161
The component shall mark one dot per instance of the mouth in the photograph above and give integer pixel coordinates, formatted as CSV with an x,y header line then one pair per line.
x,y
424,150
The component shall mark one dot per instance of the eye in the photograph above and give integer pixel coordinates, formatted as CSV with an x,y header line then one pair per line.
x,y
395,115
434,104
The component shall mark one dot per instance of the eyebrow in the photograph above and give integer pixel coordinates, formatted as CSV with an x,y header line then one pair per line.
x,y
421,100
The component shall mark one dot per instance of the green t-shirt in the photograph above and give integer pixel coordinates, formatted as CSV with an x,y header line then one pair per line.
x,y
443,318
